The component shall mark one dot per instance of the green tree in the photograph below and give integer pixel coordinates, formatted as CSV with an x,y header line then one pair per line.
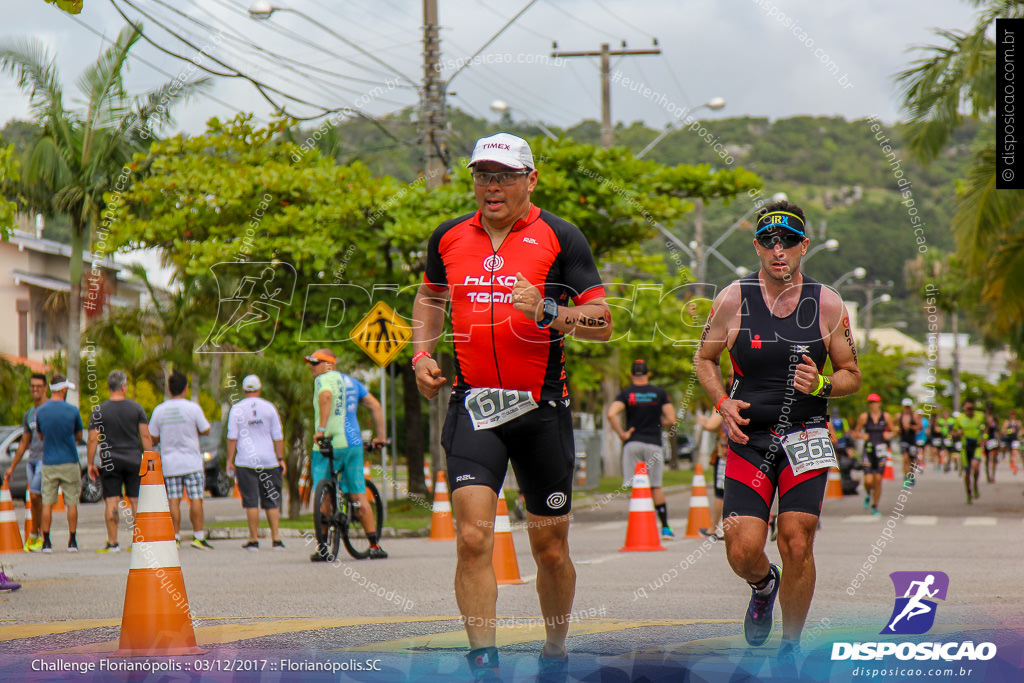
x,y
8,173
81,153
953,82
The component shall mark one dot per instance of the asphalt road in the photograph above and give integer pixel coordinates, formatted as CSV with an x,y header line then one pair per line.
x,y
634,609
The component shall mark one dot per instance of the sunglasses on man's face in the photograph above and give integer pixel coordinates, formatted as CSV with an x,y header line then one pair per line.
x,y
787,239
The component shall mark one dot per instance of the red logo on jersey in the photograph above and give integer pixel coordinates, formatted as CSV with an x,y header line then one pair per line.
x,y
756,343
632,399
846,321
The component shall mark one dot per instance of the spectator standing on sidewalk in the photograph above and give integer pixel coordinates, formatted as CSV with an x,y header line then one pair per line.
x,y
31,443
176,426
648,409
60,428
256,460
119,429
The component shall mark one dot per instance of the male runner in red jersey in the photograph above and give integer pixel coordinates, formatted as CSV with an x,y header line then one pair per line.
x,y
508,271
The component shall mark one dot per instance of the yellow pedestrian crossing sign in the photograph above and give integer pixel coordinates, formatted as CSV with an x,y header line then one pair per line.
x,y
381,334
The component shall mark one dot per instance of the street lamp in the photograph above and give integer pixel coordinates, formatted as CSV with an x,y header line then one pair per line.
x,y
713,103
501,106
830,245
880,299
859,272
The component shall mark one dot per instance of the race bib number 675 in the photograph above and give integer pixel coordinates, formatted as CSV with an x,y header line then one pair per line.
x,y
489,408
809,449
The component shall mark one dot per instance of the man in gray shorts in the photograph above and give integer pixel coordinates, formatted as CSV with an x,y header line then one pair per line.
x,y
648,409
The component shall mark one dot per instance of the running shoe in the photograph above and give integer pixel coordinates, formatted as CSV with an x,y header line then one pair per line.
x,y
278,545
483,664
867,502
667,534
201,544
6,584
110,548
968,499
72,546
33,544
377,553
773,525
710,533
758,622
875,512
976,494
251,545
321,555
47,547
553,669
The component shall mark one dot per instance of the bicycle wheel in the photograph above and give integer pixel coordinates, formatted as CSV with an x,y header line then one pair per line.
x,y
354,535
326,525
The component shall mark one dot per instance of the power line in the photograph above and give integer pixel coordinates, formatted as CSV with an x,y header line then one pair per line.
x,y
486,5
151,65
621,20
260,86
553,3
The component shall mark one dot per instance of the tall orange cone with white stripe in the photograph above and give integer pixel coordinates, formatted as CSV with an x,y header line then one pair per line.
x,y
581,474
834,487
427,479
888,474
29,522
700,513
442,528
503,557
642,528
10,537
157,620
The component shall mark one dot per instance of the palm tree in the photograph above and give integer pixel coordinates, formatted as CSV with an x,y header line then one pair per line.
x,y
81,154
953,81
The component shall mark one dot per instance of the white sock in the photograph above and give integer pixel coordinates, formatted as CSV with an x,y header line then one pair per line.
x,y
199,535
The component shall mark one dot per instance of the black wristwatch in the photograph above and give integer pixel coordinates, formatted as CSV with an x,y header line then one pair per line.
x,y
550,312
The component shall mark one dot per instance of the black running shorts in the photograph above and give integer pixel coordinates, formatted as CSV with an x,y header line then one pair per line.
x,y
754,471
539,445
115,473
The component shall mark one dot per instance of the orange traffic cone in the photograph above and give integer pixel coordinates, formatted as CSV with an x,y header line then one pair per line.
x,y
304,481
236,494
834,487
581,474
366,470
29,523
700,513
503,557
887,474
426,476
157,620
59,506
442,527
642,528
10,537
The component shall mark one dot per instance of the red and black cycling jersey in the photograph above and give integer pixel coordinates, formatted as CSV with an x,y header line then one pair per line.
x,y
765,355
496,345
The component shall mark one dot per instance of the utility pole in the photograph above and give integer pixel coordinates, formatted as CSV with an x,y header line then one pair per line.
x,y
606,54
432,109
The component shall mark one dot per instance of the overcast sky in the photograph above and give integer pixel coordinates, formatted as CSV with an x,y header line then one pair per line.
x,y
764,57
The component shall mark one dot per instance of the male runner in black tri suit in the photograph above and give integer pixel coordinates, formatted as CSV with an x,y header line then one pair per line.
x,y
875,427
909,424
779,327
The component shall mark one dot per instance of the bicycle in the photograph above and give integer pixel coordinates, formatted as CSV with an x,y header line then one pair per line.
x,y
341,522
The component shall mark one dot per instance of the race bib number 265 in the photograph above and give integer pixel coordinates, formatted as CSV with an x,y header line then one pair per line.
x,y
809,449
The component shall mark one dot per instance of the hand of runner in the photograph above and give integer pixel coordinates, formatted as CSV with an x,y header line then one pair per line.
x,y
732,420
94,472
428,377
626,434
805,379
527,299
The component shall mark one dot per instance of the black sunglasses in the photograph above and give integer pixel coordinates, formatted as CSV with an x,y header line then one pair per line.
x,y
788,240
